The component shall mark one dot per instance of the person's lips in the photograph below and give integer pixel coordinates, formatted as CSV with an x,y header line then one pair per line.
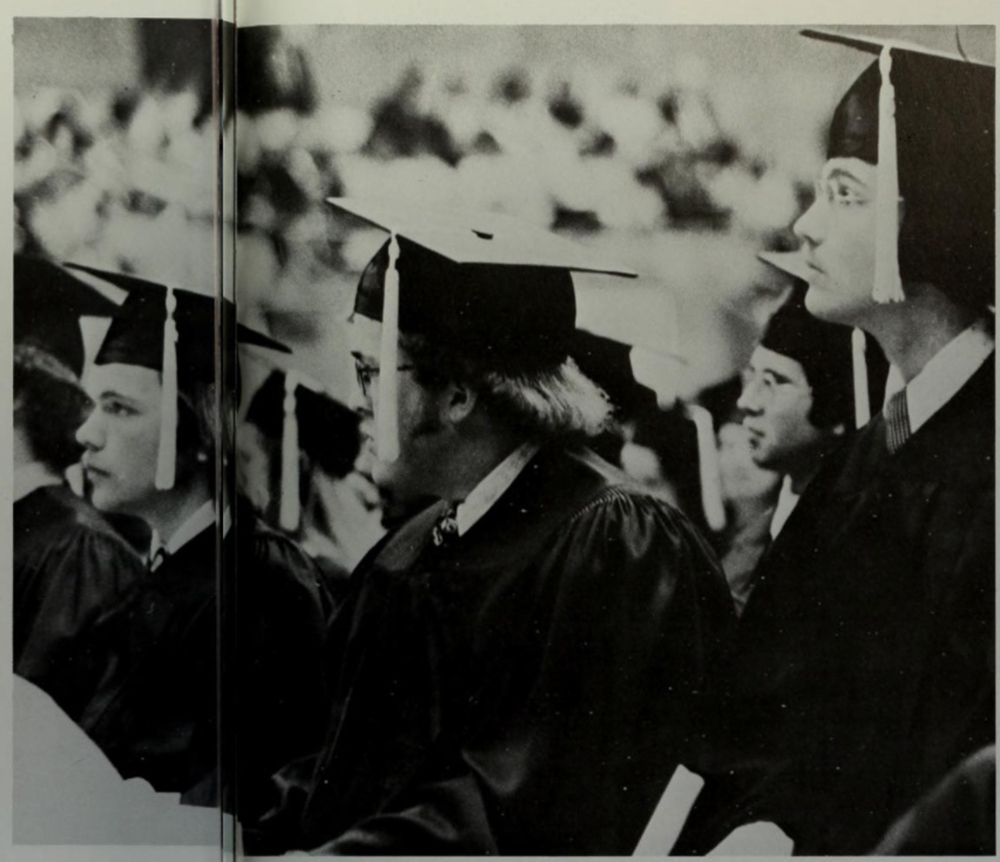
x,y
754,436
813,265
94,472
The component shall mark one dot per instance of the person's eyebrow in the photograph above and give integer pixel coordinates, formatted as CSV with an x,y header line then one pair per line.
x,y
842,173
114,393
777,375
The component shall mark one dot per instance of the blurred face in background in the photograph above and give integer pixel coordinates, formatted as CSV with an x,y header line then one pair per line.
x,y
776,401
838,236
122,437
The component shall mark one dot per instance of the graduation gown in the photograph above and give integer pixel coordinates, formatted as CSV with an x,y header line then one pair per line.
x,y
526,688
69,567
957,818
156,714
863,667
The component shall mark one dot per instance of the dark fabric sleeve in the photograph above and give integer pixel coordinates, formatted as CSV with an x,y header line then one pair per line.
x,y
957,818
632,614
442,818
281,696
69,584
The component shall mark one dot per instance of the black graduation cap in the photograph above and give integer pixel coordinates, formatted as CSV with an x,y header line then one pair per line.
x,y
292,407
608,363
838,361
175,332
480,281
629,338
48,305
926,118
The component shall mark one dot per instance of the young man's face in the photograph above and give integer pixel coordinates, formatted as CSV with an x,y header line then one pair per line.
x,y
776,400
838,235
742,478
122,437
422,452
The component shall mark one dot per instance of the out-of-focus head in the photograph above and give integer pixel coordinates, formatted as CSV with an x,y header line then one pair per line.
x,y
49,403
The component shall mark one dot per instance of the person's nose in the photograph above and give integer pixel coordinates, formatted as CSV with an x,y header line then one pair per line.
x,y
91,434
360,400
811,225
749,401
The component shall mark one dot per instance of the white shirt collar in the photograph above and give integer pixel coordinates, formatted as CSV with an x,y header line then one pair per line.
x,y
31,477
946,373
199,521
492,487
787,501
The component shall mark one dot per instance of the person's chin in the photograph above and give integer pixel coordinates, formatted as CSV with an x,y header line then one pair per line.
x,y
386,477
761,457
104,501
827,303
821,302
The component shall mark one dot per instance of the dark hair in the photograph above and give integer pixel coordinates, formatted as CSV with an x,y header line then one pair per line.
x,y
50,406
199,417
832,398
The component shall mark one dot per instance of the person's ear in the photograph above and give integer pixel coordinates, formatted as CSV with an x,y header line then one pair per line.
x,y
459,402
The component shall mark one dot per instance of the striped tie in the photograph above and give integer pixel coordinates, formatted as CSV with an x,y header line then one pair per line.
x,y
897,422
445,528
156,559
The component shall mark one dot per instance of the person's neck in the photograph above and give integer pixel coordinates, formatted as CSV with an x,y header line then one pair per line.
x,y
911,333
802,468
743,511
474,458
174,507
800,478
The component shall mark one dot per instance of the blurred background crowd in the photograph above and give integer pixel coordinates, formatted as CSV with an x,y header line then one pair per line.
x,y
679,151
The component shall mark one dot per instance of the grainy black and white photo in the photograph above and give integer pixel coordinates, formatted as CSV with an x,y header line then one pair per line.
x,y
536,440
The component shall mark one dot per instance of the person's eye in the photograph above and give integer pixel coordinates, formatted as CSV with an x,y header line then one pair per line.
x,y
844,195
114,407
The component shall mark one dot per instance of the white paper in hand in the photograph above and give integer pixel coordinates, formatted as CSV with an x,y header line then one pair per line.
x,y
756,839
671,812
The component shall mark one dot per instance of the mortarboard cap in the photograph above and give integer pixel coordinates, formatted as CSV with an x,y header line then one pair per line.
x,y
926,118
172,331
838,362
482,282
627,343
609,364
291,407
48,305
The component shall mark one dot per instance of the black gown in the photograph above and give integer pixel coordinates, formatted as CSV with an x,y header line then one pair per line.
x,y
156,712
527,688
69,567
863,667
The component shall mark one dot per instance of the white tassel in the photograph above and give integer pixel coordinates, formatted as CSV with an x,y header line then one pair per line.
x,y
167,455
708,467
387,423
862,403
289,512
888,285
